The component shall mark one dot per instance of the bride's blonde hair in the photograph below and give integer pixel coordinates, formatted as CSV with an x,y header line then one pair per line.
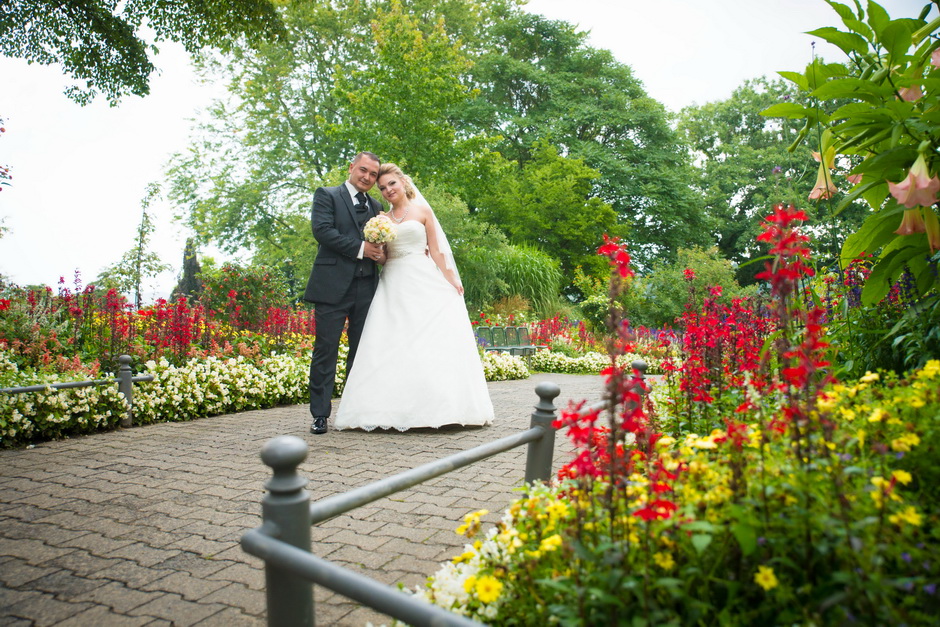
x,y
391,168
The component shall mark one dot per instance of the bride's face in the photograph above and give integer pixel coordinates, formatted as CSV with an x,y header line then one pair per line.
x,y
392,189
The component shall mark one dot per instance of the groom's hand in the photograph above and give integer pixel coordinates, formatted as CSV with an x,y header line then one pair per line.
x,y
375,252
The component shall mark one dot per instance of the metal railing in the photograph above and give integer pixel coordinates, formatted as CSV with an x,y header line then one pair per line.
x,y
124,377
283,539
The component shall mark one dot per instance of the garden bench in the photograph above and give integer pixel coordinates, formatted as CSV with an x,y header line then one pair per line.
x,y
512,340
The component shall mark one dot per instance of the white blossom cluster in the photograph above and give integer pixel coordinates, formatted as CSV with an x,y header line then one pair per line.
x,y
589,363
503,366
213,385
54,413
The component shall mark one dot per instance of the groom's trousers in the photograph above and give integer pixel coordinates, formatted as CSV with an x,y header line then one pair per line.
x,y
330,320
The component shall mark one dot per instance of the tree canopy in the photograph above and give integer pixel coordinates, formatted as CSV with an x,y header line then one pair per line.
x,y
106,44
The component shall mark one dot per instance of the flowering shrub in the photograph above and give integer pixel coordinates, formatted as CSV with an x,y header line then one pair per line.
x,y
205,385
589,363
729,526
812,502
503,366
54,413
210,386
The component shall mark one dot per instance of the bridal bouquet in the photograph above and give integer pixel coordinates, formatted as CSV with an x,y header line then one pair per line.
x,y
379,230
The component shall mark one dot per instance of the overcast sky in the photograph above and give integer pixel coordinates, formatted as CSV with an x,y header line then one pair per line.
x,y
81,172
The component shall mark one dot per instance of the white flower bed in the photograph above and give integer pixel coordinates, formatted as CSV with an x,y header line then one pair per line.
x,y
201,387
589,363
503,367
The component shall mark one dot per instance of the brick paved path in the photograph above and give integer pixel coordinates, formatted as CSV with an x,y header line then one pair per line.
x,y
142,526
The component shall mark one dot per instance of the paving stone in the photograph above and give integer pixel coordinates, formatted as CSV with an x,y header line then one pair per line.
x,y
127,520
189,587
174,608
66,585
120,598
31,551
251,576
193,564
99,616
43,608
143,554
16,572
130,573
236,595
231,617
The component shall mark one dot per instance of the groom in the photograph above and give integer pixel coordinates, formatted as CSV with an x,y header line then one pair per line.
x,y
344,276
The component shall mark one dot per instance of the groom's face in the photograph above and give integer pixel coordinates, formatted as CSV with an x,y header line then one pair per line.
x,y
363,172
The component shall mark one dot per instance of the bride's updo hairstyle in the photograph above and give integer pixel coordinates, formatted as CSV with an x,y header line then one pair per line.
x,y
391,168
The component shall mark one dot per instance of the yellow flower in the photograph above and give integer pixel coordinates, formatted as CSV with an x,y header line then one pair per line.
x,y
877,415
909,515
471,523
826,402
557,509
550,543
469,583
463,557
663,560
765,578
869,377
488,589
905,443
902,476
930,370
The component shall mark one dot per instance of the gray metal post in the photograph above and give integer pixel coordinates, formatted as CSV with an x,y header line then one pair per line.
x,y
640,366
126,386
286,516
538,466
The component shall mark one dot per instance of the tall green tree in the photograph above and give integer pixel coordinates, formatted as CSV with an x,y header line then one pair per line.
x,y
550,205
747,162
138,263
103,42
540,80
301,108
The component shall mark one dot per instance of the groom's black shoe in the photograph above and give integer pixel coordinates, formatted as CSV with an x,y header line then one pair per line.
x,y
319,425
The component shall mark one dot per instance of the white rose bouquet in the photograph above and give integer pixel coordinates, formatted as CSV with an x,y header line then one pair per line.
x,y
379,230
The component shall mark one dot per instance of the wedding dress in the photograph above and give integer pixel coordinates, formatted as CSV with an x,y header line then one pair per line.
x,y
417,364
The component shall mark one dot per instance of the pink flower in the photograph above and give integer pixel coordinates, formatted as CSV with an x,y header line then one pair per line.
x,y
932,226
911,223
824,187
935,58
918,189
854,179
911,93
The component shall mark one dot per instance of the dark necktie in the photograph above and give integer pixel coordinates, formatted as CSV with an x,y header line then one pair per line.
x,y
361,202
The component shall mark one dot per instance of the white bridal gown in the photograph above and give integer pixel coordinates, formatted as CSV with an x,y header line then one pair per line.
x,y
417,364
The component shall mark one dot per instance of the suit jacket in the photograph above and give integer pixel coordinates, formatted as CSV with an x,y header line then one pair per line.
x,y
336,228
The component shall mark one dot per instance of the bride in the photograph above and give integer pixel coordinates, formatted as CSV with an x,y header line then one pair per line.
x,y
417,364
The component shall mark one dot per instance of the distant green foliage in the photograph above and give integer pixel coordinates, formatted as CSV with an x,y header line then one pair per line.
x,y
659,297
101,42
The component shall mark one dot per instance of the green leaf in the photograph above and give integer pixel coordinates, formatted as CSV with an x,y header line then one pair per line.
x,y
896,38
888,269
851,88
701,541
797,78
785,110
847,42
746,535
877,17
844,12
875,197
875,231
889,164
859,27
